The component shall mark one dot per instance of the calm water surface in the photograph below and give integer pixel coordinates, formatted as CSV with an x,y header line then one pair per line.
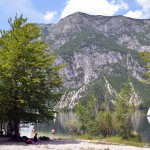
x,y
139,119
58,124
141,124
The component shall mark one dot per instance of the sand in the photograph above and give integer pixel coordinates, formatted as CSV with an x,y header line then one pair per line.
x,y
64,145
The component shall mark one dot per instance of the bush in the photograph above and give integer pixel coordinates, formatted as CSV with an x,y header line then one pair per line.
x,y
73,126
136,137
105,123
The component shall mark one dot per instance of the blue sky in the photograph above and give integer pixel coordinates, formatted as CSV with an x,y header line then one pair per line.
x,y
51,11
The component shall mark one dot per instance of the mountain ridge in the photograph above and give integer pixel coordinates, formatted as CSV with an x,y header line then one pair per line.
x,y
93,46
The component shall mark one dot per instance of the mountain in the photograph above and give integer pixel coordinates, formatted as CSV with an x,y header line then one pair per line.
x,y
99,52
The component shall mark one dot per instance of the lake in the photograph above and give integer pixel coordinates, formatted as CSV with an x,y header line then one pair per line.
x,y
139,119
141,124
59,124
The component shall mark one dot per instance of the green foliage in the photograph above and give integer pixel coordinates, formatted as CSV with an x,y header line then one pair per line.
x,y
142,38
29,80
86,39
137,57
120,70
116,80
122,111
146,58
87,114
81,113
96,88
143,90
92,127
133,141
112,117
105,122
73,126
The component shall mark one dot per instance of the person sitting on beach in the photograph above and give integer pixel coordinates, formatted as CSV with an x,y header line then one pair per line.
x,y
53,133
35,137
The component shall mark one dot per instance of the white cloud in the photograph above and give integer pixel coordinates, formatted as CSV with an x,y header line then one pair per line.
x,y
143,13
144,3
94,7
49,15
135,14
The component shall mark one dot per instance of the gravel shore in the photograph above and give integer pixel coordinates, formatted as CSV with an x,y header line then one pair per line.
x,y
64,145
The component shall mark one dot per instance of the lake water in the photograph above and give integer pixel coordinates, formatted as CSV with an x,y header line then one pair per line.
x,y
141,124
139,119
59,124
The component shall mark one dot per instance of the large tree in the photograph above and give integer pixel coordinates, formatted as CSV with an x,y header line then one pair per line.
x,y
29,79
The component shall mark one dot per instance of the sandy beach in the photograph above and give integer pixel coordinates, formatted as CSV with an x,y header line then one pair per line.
x,y
64,145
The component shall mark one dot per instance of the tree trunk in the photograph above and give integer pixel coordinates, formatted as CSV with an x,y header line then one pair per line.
x,y
16,129
1,132
16,113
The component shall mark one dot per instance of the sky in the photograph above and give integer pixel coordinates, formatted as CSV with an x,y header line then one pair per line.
x,y
52,11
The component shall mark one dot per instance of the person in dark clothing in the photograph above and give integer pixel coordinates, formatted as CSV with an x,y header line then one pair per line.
x,y
35,137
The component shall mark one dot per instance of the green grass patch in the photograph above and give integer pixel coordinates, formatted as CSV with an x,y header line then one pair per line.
x,y
114,140
134,141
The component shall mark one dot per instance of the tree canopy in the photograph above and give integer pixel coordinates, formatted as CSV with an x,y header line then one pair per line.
x,y
29,79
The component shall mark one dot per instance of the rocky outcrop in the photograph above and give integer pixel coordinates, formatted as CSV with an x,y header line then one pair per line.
x,y
86,67
125,30
90,46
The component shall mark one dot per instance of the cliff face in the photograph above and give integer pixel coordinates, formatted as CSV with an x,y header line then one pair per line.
x,y
133,33
94,47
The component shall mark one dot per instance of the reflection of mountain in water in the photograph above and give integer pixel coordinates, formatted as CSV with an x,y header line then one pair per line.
x,y
59,124
141,124
148,113
136,119
139,119
148,118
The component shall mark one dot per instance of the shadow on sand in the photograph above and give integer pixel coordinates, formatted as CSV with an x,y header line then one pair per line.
x,y
6,141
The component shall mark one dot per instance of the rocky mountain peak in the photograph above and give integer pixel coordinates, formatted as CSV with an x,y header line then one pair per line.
x,y
93,46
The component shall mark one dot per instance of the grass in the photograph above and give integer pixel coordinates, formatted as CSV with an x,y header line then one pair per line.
x,y
130,142
114,140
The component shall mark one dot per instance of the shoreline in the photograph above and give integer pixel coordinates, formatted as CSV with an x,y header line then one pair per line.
x,y
65,145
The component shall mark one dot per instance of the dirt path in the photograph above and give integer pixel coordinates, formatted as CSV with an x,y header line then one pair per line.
x,y
64,145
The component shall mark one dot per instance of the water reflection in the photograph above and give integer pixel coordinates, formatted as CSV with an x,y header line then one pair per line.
x,y
148,118
59,124
141,124
140,121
